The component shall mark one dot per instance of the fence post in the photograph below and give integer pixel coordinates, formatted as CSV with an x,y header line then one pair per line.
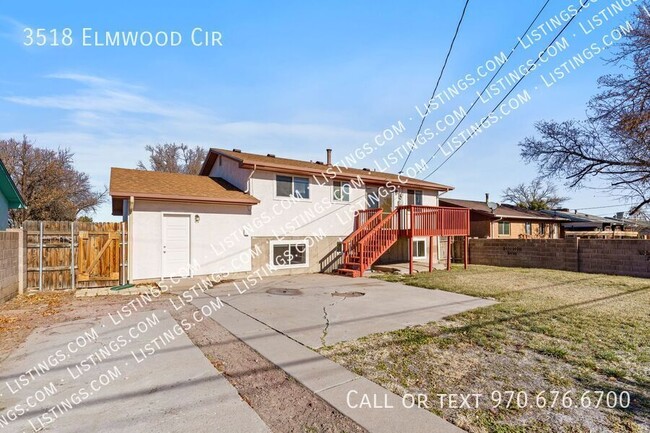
x,y
72,261
123,256
40,256
21,261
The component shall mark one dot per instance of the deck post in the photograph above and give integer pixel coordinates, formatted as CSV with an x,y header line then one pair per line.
x,y
411,232
448,253
430,253
410,255
466,254
469,225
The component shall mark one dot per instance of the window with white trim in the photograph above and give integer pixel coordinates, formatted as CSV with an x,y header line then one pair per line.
x,y
419,249
414,197
504,228
291,186
528,227
289,254
340,191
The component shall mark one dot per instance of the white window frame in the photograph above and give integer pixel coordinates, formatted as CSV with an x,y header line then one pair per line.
x,y
528,228
426,248
343,184
272,244
291,196
415,194
504,224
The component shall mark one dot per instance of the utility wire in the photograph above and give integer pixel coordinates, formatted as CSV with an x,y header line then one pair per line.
x,y
532,67
435,89
478,97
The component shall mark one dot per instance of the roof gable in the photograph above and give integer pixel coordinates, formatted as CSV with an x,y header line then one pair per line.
x,y
9,190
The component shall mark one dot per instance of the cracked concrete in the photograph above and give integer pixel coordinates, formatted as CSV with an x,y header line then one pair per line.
x,y
327,325
312,319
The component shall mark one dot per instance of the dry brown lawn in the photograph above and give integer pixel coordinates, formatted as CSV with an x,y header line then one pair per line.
x,y
552,334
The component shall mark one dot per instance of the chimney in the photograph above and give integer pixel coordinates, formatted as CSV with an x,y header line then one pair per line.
x,y
487,197
329,156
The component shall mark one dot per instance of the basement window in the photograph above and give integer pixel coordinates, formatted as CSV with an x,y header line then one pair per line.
x,y
504,228
289,254
419,249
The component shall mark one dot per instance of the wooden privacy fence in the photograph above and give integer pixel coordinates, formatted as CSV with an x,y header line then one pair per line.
x,y
67,255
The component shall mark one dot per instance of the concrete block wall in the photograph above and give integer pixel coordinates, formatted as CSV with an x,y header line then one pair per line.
x,y
615,256
605,256
9,257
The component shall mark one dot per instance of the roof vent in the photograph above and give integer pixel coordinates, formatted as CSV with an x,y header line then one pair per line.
x,y
270,155
237,150
319,162
366,169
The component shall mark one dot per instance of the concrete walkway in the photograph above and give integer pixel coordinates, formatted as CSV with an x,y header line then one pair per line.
x,y
139,374
368,404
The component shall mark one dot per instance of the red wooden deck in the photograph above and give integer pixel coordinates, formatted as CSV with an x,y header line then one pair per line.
x,y
376,232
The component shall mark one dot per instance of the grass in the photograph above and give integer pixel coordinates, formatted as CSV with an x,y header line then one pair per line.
x,y
550,331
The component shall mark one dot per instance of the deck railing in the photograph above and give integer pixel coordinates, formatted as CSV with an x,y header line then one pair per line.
x,y
433,221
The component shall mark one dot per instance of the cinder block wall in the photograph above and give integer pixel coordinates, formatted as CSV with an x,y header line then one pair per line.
x,y
9,254
615,256
605,256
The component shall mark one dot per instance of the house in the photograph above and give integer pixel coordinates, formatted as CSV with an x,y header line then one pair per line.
x,y
505,221
586,225
10,198
251,213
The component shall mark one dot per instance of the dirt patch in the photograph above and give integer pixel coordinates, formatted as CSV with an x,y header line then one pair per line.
x,y
283,404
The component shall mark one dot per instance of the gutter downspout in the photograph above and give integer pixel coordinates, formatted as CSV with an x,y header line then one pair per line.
x,y
248,181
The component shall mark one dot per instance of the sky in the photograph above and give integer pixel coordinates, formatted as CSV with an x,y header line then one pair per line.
x,y
294,78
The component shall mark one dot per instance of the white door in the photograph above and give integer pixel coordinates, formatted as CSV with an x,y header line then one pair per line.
x,y
176,246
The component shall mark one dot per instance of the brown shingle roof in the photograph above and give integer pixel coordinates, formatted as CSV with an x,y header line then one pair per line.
x,y
272,163
175,186
502,210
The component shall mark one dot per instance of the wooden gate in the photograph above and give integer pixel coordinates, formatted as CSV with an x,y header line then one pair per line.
x,y
98,256
65,255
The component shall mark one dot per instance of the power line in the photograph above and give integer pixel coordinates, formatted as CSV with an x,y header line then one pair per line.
x,y
532,67
601,207
435,89
491,80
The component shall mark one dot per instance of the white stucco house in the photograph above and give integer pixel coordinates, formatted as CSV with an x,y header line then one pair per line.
x,y
10,198
248,212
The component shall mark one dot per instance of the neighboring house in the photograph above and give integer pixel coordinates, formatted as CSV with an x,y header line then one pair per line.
x,y
507,221
585,225
10,198
247,213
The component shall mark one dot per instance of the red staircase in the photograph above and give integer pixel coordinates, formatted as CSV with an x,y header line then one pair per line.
x,y
375,233
366,244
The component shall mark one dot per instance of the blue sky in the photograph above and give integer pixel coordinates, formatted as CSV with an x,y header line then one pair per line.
x,y
291,78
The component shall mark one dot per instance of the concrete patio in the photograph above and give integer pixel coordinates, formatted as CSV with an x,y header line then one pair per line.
x,y
321,309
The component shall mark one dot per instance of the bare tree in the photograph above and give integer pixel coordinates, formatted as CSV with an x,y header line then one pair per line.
x,y
174,158
613,142
537,195
49,183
